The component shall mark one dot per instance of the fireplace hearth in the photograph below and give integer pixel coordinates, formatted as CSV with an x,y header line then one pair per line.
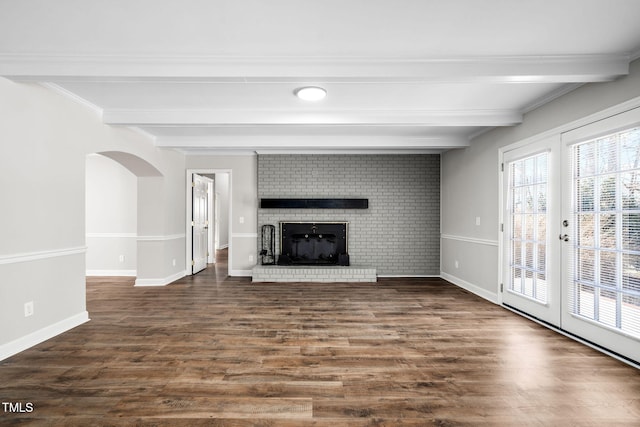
x,y
314,243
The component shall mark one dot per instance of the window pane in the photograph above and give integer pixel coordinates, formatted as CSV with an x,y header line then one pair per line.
x,y
606,263
607,154
542,228
607,192
630,149
630,188
541,287
607,231
586,228
585,154
517,253
529,172
516,280
607,307
585,301
608,274
631,272
542,198
528,223
631,231
542,253
517,201
529,256
585,194
517,174
529,199
586,262
517,231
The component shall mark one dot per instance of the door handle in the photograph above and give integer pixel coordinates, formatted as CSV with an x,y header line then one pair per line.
x,y
564,237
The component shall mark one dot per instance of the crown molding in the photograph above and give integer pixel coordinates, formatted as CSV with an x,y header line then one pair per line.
x,y
73,97
565,89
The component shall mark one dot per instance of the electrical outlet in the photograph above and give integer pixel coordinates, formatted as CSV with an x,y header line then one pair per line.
x,y
28,309
241,220
121,258
477,220
457,264
250,258
174,262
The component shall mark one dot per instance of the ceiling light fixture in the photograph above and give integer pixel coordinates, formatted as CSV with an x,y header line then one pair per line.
x,y
310,93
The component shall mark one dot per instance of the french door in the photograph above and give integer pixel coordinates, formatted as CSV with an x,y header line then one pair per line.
x,y
572,232
601,276
531,224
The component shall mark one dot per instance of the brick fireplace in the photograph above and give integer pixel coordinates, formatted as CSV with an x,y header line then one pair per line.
x,y
399,231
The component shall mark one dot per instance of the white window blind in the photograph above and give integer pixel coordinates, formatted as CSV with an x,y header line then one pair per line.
x,y
605,270
528,224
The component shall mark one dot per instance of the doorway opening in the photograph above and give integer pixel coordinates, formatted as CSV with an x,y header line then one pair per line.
x,y
214,226
571,232
110,218
112,211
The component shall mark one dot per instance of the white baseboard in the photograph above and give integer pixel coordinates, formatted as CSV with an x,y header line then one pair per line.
x,y
481,292
241,273
419,276
223,247
111,273
37,337
161,281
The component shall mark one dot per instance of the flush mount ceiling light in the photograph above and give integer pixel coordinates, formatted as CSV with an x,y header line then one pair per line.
x,y
310,93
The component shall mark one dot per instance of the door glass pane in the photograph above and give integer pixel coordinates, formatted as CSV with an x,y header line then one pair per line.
x,y
608,193
527,209
630,230
605,275
607,231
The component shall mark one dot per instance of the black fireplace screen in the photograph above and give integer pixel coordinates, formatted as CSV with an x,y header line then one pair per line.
x,y
313,243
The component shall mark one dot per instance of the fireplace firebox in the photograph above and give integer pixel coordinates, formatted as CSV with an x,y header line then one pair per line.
x,y
314,243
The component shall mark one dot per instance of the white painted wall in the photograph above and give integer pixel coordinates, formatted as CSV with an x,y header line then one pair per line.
x,y
222,191
470,178
111,218
45,141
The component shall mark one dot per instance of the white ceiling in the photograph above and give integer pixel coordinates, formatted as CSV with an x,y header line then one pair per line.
x,y
401,75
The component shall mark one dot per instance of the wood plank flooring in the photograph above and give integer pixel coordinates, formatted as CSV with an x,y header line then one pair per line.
x,y
212,350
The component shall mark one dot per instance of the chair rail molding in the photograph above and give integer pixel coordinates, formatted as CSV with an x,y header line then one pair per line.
x,y
34,256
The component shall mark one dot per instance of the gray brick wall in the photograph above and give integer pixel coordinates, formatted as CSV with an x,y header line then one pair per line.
x,y
400,232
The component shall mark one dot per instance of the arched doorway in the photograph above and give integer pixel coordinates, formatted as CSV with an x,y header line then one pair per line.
x,y
124,214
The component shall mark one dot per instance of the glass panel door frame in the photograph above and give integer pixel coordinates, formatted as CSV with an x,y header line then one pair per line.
x,y
545,309
598,331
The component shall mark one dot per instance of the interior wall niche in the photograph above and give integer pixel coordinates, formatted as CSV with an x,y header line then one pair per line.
x,y
399,233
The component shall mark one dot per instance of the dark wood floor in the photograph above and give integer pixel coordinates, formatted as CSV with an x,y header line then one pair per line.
x,y
211,350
